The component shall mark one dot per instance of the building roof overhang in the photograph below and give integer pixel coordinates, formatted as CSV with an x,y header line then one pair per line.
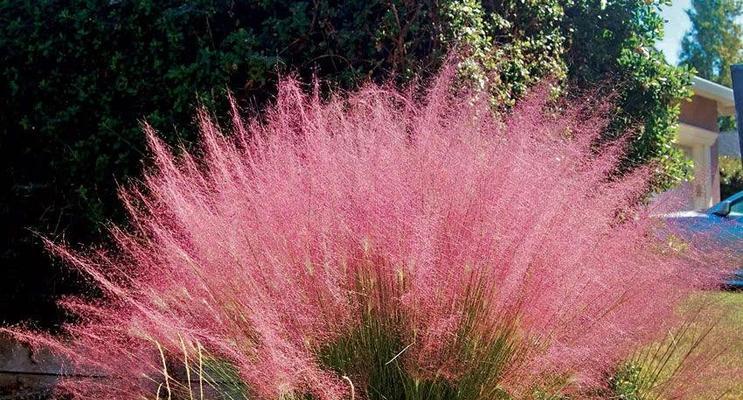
x,y
719,93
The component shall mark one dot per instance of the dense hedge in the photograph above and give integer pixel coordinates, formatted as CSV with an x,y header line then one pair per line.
x,y
77,78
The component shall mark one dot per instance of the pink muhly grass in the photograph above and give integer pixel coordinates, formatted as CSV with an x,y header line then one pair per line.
x,y
314,247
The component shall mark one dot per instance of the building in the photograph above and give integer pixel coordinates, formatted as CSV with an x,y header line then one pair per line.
x,y
729,144
698,137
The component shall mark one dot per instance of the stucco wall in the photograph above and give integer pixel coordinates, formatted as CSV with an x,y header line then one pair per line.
x,y
26,374
700,112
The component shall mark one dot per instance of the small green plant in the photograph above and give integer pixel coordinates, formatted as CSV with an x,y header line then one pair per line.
x,y
625,383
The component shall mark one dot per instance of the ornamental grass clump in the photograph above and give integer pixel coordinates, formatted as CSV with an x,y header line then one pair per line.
x,y
379,244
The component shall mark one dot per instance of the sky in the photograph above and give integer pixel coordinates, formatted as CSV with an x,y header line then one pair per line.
x,y
677,23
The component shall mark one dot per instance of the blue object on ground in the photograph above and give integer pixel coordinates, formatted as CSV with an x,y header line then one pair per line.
x,y
723,222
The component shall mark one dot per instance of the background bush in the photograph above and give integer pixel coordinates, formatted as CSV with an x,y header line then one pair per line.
x,y
78,77
731,176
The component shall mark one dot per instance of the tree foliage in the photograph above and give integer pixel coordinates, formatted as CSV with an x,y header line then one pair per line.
x,y
78,77
715,40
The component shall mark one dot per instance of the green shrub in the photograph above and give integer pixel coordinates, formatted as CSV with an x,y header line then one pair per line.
x,y
78,77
